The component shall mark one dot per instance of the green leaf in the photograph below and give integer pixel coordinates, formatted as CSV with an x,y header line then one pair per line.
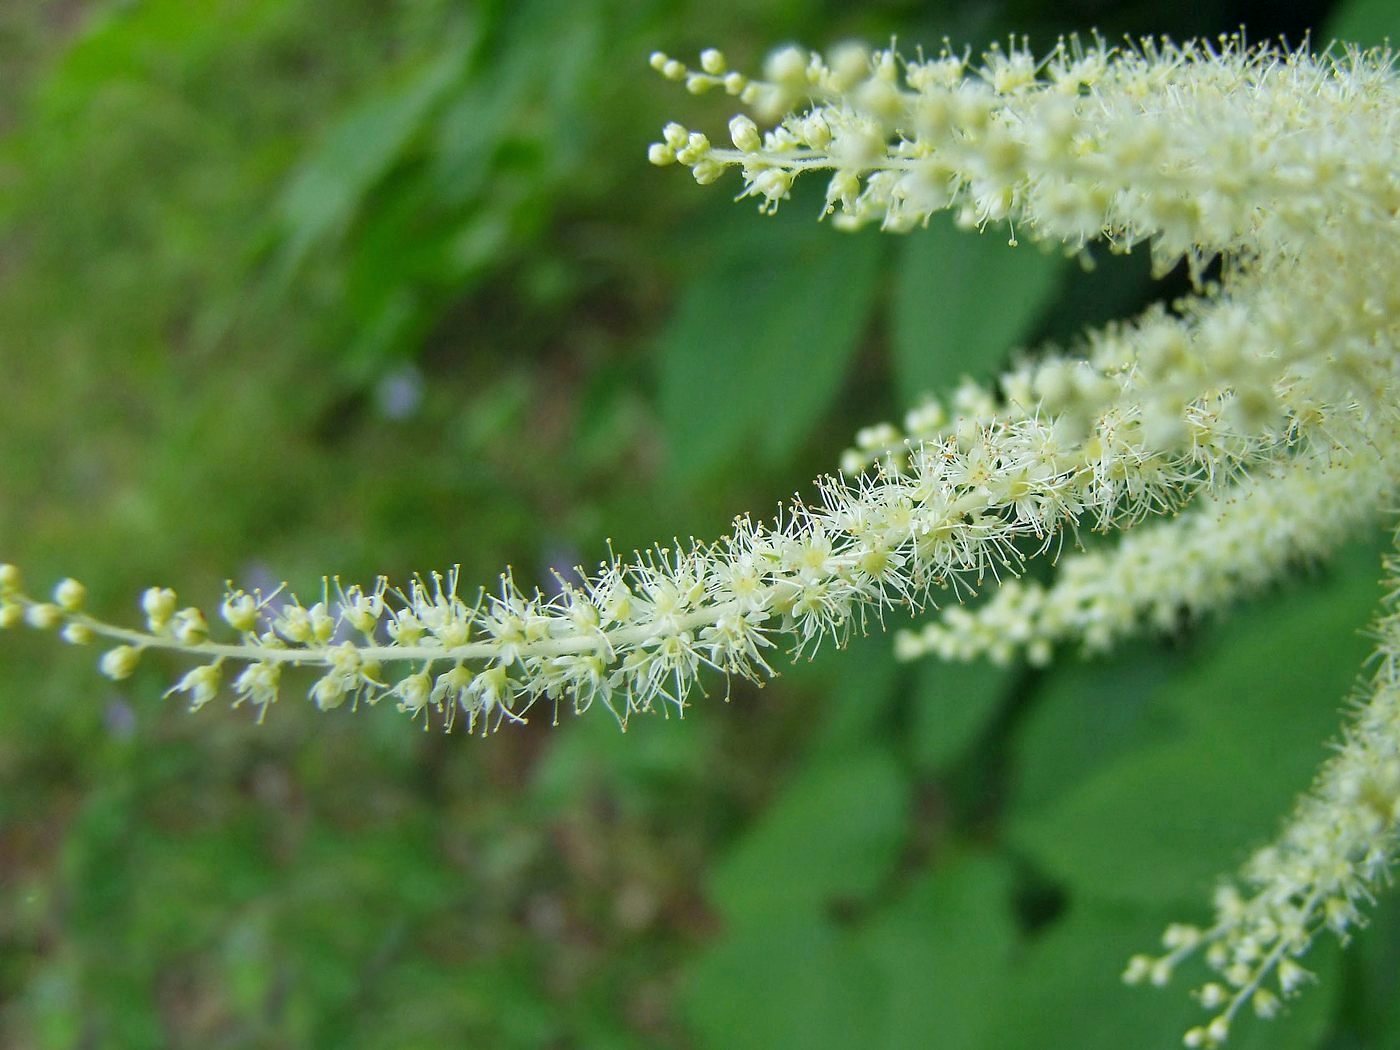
x,y
1371,1011
951,705
921,972
1163,824
1369,23
761,340
357,152
656,763
861,683
1304,652
794,982
146,42
1085,715
832,836
1255,709
962,300
1067,991
943,952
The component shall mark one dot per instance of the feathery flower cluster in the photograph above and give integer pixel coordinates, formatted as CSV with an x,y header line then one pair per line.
x,y
1264,405
1283,165
1175,145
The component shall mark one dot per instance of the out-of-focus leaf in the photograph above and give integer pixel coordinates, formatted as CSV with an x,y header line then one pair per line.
x,y
762,339
793,982
468,166
1161,824
921,972
54,1003
249,968
125,42
357,151
643,768
942,951
862,684
1371,1010
832,836
951,704
1303,652
961,301
1066,991
1087,713
1369,23
513,97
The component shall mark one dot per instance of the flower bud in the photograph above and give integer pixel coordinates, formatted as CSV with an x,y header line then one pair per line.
x,y
744,132
44,616
77,634
158,603
70,595
119,663
10,579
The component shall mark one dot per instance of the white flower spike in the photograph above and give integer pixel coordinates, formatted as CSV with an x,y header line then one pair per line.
x,y
1263,408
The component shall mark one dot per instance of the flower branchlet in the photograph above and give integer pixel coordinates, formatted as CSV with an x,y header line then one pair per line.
x,y
1332,856
636,635
1175,145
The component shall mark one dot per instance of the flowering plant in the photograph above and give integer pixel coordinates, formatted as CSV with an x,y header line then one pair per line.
x,y
1246,427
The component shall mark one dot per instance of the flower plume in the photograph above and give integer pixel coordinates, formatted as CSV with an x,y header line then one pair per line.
x,y
1255,422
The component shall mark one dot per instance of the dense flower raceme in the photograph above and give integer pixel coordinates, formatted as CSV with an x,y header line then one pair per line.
x,y
1284,165
1262,409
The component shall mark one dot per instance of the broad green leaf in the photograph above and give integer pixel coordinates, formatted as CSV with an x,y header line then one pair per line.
x,y
922,971
794,983
1161,825
761,340
950,706
654,764
1256,709
942,951
830,838
1067,991
962,300
1371,1012
1086,713
862,684
1304,651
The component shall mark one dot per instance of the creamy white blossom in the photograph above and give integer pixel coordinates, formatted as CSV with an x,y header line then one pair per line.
x,y
1284,165
1260,412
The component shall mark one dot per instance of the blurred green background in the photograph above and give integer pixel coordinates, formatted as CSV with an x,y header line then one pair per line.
x,y
294,287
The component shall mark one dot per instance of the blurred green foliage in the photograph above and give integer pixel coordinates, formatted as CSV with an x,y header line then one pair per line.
x,y
290,287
